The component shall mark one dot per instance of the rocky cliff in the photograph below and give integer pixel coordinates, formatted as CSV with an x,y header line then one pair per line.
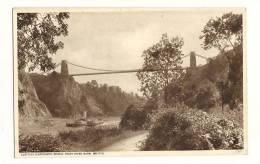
x,y
60,95
28,102
63,96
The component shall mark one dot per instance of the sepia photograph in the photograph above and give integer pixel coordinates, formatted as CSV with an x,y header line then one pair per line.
x,y
129,81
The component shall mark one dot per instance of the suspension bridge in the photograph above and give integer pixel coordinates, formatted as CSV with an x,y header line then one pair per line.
x,y
65,71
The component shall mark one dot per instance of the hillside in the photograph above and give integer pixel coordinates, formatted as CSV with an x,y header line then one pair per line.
x,y
64,97
201,85
215,70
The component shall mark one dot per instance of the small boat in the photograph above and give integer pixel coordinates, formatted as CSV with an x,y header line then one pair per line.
x,y
81,122
77,123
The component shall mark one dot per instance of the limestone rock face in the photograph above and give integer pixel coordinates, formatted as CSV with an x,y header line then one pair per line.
x,y
28,102
63,96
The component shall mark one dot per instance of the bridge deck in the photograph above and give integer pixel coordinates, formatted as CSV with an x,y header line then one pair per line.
x,y
126,71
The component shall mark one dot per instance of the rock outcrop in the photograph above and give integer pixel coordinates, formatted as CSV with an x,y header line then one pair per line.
x,y
28,102
63,96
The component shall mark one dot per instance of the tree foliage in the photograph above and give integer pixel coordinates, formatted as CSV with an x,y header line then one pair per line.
x,y
133,118
164,56
36,39
233,86
204,98
223,33
226,34
175,93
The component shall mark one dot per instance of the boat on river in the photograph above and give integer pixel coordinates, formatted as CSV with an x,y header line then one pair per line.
x,y
84,122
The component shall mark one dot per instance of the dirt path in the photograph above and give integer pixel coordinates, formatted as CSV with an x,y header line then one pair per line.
x,y
127,144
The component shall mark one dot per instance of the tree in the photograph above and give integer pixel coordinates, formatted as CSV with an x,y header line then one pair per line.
x,y
36,39
94,83
165,56
133,118
223,33
226,34
204,98
233,87
175,93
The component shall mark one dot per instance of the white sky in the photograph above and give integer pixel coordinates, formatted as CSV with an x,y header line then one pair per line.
x,y
116,40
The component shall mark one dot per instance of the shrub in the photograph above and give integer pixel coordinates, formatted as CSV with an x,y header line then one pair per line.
x,y
39,143
133,118
89,135
202,95
236,115
174,129
205,98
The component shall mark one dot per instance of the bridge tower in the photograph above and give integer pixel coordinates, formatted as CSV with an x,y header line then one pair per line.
x,y
192,60
64,68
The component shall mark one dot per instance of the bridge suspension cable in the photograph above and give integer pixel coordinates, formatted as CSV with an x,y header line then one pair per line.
x,y
90,68
116,71
57,65
201,56
185,56
109,71
195,55
128,71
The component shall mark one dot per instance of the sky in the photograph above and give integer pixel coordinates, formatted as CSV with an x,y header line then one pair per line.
x,y
116,40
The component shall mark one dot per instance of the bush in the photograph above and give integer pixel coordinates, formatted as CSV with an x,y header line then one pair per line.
x,y
39,143
89,136
205,98
174,129
133,118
